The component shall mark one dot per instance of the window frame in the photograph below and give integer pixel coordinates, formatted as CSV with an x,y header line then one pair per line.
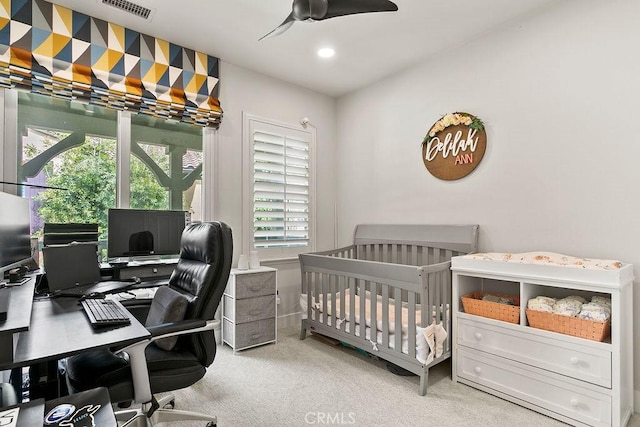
x,y
250,123
9,151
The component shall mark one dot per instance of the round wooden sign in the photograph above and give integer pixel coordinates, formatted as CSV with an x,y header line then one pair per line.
x,y
454,146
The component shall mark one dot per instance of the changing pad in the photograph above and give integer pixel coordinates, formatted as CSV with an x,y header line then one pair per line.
x,y
547,258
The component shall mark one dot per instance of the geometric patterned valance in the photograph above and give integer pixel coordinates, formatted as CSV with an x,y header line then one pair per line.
x,y
50,49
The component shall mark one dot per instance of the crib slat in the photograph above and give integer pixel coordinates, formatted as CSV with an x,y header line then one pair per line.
x,y
430,298
373,295
437,256
406,254
411,326
363,315
352,306
307,286
447,255
398,319
385,315
316,292
342,282
325,299
333,291
446,307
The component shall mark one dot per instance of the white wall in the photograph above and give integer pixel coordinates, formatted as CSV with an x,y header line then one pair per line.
x,y
241,91
559,94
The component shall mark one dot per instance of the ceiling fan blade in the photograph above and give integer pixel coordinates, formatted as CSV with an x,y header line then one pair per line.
x,y
286,24
351,7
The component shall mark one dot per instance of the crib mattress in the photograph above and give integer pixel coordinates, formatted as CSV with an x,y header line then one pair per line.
x,y
422,348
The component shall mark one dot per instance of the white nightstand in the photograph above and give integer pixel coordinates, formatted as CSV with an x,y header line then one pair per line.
x,y
249,308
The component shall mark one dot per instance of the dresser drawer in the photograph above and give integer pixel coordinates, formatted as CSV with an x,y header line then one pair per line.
x,y
249,334
553,392
248,285
250,309
584,363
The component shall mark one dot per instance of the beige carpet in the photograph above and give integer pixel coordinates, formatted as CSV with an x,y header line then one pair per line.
x,y
310,382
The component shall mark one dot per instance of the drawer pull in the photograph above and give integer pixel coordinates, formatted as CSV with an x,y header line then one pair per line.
x,y
255,312
256,335
574,402
255,288
478,336
478,369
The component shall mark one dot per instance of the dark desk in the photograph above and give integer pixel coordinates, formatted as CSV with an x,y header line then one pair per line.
x,y
18,317
93,404
59,328
30,414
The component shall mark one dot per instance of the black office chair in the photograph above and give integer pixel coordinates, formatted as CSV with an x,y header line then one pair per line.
x,y
195,289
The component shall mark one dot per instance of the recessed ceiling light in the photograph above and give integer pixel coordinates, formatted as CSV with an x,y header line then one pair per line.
x,y
326,52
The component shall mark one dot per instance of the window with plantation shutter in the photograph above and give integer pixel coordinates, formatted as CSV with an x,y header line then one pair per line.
x,y
280,189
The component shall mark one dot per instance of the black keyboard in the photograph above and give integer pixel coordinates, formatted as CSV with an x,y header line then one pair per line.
x,y
105,312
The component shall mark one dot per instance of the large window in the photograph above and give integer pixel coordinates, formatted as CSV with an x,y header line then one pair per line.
x,y
72,149
170,154
279,186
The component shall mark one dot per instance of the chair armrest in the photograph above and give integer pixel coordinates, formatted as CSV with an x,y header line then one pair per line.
x,y
174,328
182,328
136,301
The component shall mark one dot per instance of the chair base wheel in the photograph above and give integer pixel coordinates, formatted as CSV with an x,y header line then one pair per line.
x,y
211,424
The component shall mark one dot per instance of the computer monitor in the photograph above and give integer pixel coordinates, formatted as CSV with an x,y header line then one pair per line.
x,y
15,232
141,233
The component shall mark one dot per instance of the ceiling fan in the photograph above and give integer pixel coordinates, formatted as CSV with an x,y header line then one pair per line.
x,y
318,10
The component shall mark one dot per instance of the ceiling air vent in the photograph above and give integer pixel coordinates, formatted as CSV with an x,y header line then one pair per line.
x,y
129,7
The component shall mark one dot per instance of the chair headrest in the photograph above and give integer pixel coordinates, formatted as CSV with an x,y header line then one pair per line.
x,y
202,242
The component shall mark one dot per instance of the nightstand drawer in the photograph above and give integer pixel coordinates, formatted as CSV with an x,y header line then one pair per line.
x,y
251,285
250,309
249,334
584,363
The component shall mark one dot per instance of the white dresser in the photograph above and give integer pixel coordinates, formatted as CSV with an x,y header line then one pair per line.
x,y
249,308
575,380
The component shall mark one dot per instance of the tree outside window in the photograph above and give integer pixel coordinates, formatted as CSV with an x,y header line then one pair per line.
x,y
72,147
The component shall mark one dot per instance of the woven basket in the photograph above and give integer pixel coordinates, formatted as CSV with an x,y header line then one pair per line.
x,y
583,328
473,304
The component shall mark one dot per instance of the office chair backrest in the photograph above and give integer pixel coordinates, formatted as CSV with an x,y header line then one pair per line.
x,y
206,252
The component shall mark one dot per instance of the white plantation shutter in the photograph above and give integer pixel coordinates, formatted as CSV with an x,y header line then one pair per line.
x,y
280,191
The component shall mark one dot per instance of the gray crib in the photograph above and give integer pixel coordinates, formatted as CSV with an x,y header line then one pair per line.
x,y
396,271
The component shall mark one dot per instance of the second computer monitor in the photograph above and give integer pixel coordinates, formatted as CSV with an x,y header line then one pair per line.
x,y
138,232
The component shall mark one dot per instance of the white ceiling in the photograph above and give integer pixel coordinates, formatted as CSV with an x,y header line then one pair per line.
x,y
368,46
